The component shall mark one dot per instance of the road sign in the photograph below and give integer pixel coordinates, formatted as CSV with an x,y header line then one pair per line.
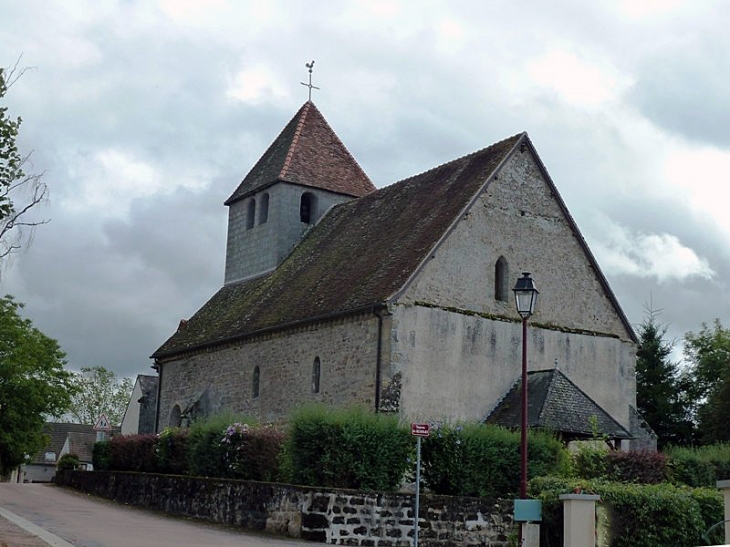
x,y
102,424
420,430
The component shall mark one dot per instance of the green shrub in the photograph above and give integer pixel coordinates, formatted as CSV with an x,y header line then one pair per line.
x,y
349,448
642,515
101,455
702,466
484,461
172,451
207,455
640,466
68,461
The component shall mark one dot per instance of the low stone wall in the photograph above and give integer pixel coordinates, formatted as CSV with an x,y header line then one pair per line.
x,y
336,517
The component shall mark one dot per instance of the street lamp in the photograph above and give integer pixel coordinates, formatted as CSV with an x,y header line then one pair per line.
x,y
525,298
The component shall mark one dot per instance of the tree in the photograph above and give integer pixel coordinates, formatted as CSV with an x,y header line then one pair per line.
x,y
34,385
99,391
660,393
19,192
708,355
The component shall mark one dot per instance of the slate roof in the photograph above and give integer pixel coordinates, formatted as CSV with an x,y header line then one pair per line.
x,y
309,153
57,434
555,403
360,255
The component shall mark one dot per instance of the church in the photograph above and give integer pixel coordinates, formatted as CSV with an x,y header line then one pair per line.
x,y
400,299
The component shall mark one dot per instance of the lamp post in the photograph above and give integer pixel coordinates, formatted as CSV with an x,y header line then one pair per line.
x,y
525,298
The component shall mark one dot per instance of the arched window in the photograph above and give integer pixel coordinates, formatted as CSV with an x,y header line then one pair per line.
x,y
316,369
175,419
501,280
251,218
256,381
264,211
306,208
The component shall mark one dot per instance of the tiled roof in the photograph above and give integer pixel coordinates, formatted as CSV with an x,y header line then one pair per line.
x,y
360,254
309,153
57,434
556,404
82,444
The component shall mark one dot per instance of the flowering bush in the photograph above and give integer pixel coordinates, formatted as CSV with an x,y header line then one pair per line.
x,y
252,452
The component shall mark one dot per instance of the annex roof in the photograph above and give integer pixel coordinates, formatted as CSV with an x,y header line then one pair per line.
x,y
57,434
555,403
359,255
309,153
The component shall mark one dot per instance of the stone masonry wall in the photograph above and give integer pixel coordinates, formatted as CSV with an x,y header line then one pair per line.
x,y
259,249
336,517
223,380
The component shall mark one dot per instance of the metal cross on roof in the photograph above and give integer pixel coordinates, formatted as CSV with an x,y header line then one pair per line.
x,y
309,85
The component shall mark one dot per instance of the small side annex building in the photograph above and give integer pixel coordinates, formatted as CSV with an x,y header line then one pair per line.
x,y
400,299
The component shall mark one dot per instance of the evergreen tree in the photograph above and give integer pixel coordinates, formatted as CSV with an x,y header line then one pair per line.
x,y
708,354
659,386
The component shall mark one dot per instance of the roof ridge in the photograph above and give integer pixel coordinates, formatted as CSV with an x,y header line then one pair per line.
x,y
455,160
295,139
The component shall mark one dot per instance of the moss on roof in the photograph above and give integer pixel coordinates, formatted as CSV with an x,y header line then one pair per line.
x,y
360,254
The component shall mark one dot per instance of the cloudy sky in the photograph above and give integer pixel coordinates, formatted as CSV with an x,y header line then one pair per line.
x,y
145,115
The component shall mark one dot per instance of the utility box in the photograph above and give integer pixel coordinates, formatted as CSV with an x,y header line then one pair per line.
x,y
528,511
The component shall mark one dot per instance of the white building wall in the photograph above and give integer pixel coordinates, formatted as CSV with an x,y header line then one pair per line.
x,y
130,422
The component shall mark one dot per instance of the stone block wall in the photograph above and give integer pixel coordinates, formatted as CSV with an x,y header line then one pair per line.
x,y
347,350
336,517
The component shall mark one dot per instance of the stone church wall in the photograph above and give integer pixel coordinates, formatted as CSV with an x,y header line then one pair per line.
x,y
452,331
519,218
475,360
335,517
206,383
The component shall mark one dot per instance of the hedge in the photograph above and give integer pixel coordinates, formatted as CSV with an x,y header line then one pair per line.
x,y
702,466
350,448
484,461
641,515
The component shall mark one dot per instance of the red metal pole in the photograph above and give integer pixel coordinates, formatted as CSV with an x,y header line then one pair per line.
x,y
523,433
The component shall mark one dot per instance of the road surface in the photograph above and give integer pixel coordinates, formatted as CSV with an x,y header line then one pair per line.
x,y
38,515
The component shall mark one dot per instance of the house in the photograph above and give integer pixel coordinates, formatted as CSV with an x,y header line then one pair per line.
x,y
140,414
399,298
63,439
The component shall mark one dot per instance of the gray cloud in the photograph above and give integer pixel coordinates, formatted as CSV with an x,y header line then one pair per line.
x,y
144,122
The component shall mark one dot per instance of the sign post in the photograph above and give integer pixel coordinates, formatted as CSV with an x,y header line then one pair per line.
x,y
419,431
102,427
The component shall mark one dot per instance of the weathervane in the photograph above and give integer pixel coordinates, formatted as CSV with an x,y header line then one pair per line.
x,y
309,85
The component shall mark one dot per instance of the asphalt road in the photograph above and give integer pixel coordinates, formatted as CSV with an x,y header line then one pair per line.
x,y
38,515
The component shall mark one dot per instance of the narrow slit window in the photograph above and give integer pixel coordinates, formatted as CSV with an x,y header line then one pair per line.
x,y
316,370
255,382
501,280
306,208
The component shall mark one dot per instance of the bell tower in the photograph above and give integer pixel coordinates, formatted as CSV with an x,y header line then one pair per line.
x,y
304,172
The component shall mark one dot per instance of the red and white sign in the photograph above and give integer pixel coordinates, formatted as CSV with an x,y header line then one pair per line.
x,y
102,424
420,430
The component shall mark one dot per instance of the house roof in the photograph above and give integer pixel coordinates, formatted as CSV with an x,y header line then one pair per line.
x,y
57,435
309,153
82,444
359,255
555,403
